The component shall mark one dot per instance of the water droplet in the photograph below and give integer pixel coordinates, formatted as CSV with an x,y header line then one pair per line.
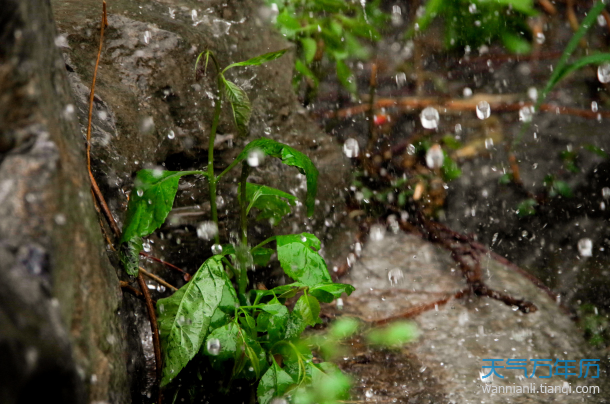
x,y
585,247
171,135
303,239
147,37
351,148
483,110
525,114
489,142
606,192
213,346
172,13
146,246
395,276
194,15
435,157
207,230
267,130
279,400
60,219
340,304
377,232
216,249
369,393
532,93
603,73
472,8
467,92
147,125
255,157
458,129
69,112
140,192
401,79
594,106
429,118
540,38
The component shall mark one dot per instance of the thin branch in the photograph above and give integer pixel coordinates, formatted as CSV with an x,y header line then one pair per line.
x,y
157,279
186,275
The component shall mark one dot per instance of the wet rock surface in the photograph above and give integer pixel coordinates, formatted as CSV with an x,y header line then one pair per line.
x,y
402,272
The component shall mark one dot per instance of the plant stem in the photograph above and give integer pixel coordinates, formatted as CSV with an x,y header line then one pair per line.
x,y
212,180
270,239
244,204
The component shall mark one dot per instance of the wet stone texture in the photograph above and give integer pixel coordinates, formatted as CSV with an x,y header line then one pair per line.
x,y
401,272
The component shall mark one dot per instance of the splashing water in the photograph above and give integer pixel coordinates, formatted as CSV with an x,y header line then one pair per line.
x,y
585,247
255,157
395,276
429,118
351,148
532,93
603,73
216,249
483,110
525,114
213,346
171,135
207,230
377,232
434,157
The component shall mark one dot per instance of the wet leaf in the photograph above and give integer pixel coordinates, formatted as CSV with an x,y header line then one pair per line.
x,y
269,201
261,256
450,169
226,307
309,48
150,202
308,308
516,43
328,292
185,316
299,257
273,320
274,383
258,60
527,207
240,105
306,71
597,150
346,78
289,156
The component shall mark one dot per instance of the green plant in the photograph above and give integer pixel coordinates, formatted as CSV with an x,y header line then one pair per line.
x,y
238,329
476,22
336,29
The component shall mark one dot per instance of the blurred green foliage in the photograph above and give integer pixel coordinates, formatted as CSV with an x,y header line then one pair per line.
x,y
334,30
474,23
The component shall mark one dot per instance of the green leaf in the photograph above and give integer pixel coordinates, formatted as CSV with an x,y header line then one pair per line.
x,y
226,307
289,156
451,142
240,105
308,308
560,71
185,316
523,6
527,207
433,8
258,60
300,259
394,335
343,328
505,179
306,71
274,383
269,201
346,78
563,189
516,43
450,169
273,320
149,204
597,150
229,340
328,292
310,48
248,323
261,256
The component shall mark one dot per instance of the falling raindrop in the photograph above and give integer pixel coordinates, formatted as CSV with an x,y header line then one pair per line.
x,y
606,192
594,106
377,232
172,13
146,246
467,92
395,276
207,230
525,114
489,142
603,72
435,157
194,15
351,148
483,110
601,21
213,346
171,135
140,192
458,129
585,247
147,36
340,304
540,38
472,8
532,93
429,118
216,249
60,219
401,79
255,157
69,112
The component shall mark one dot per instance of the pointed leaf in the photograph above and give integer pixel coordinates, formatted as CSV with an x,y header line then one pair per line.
x,y
330,291
185,316
346,78
269,201
309,48
258,60
289,156
149,204
300,259
274,383
308,308
240,105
